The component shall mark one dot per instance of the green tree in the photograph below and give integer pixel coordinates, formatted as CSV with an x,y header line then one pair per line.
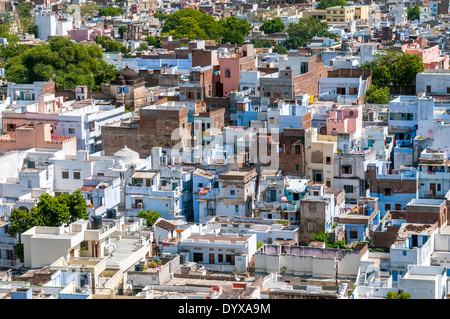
x,y
61,60
395,68
396,295
204,26
121,30
305,30
377,95
273,26
110,12
413,13
24,10
143,46
234,29
150,216
279,49
88,10
154,42
160,16
323,4
33,29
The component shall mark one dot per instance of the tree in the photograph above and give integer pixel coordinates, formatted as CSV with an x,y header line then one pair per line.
x,y
61,60
143,46
121,30
33,29
395,68
204,26
377,95
110,12
279,49
305,30
150,216
49,211
273,26
154,42
413,13
323,4
24,10
234,29
88,10
396,295
324,237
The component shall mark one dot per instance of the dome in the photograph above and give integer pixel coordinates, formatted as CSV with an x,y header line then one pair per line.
x,y
120,79
128,74
126,156
118,164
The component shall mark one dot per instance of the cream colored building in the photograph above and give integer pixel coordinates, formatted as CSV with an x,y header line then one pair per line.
x,y
107,239
318,14
344,14
319,156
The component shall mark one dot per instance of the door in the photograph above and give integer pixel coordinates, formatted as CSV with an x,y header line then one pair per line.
x,y
211,259
432,189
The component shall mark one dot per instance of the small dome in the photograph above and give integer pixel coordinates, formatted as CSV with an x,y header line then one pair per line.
x,y
120,79
126,156
128,74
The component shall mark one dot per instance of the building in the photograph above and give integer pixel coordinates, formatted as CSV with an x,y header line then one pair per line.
x,y
394,188
236,195
304,261
361,220
38,136
319,156
434,174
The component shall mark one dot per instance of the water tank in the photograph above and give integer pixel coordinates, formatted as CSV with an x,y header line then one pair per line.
x,y
97,222
111,213
138,267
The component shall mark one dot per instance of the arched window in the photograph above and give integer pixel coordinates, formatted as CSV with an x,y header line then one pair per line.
x,y
227,73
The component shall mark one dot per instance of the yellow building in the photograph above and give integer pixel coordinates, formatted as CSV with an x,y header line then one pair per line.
x,y
361,12
318,14
340,14
343,14
319,156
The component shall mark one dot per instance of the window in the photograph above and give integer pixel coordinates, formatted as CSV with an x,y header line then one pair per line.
x,y
439,187
297,149
398,206
448,90
71,130
428,88
232,192
348,189
328,160
227,73
353,234
340,91
229,259
65,175
76,175
297,167
346,169
198,257
11,127
387,207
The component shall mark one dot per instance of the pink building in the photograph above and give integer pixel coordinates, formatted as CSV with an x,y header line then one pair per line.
x,y
38,136
232,65
80,35
345,119
431,56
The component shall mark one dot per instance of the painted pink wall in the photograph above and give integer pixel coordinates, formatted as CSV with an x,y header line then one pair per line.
x,y
231,83
347,123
